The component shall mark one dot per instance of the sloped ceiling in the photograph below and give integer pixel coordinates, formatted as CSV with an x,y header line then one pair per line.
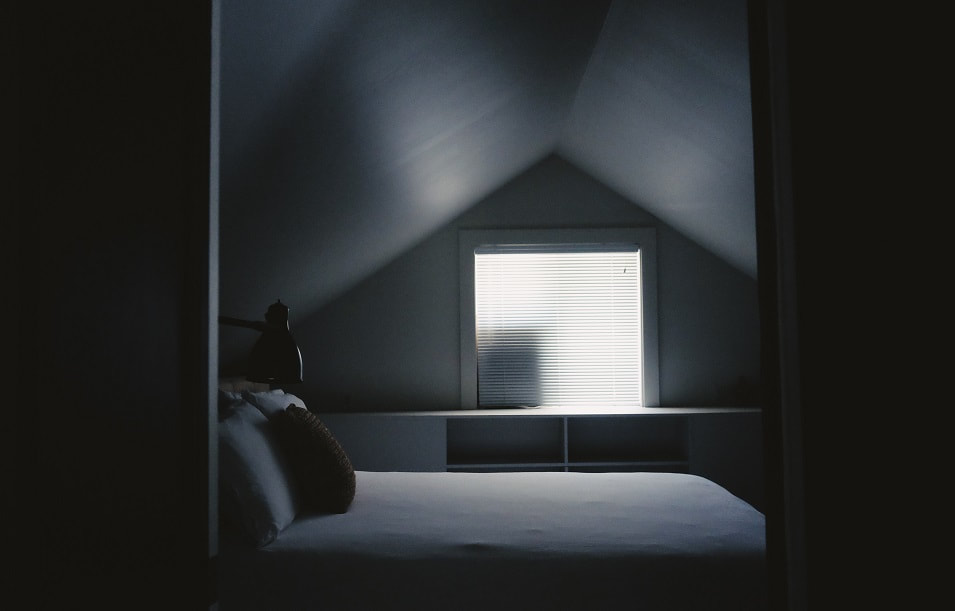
x,y
351,129
663,117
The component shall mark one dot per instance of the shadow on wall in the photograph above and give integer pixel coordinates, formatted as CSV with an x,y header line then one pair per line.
x,y
511,364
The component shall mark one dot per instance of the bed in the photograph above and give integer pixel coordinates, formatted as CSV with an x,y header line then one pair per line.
x,y
457,540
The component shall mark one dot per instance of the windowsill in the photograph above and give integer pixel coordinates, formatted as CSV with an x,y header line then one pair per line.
x,y
565,411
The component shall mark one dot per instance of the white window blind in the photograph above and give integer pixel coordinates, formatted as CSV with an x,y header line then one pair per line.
x,y
558,325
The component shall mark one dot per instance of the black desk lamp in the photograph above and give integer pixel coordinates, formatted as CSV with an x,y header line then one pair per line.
x,y
275,357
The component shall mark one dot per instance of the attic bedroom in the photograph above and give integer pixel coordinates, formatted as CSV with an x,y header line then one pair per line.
x,y
361,145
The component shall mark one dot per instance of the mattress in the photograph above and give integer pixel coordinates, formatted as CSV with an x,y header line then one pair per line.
x,y
510,540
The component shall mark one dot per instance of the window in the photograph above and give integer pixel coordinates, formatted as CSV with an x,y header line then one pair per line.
x,y
558,318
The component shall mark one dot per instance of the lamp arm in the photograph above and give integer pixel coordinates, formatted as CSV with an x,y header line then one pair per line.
x,y
275,357
248,324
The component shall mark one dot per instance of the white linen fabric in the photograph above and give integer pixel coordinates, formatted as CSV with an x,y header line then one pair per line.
x,y
256,486
660,541
228,399
272,401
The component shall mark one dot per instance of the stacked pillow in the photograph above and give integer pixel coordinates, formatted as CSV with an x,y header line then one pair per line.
x,y
318,461
276,460
271,402
257,491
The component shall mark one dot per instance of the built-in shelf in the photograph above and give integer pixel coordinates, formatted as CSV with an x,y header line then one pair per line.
x,y
722,444
633,439
486,441
568,443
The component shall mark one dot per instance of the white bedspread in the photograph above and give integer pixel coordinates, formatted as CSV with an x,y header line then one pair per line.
x,y
511,541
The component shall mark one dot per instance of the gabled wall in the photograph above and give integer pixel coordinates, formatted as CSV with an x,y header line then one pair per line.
x,y
391,343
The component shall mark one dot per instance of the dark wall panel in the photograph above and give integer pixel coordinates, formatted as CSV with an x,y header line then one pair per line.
x,y
113,294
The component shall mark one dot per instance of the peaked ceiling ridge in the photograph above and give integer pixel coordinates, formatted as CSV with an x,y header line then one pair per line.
x,y
612,86
597,51
313,308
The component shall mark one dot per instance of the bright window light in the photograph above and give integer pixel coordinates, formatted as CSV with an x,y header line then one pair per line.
x,y
558,325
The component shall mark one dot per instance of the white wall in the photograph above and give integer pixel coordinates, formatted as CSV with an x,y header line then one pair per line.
x,y
391,343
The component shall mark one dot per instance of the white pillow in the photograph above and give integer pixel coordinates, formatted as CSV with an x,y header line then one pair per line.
x,y
271,402
227,399
256,486
228,396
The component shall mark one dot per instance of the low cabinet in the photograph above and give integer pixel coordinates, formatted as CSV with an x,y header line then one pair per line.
x,y
721,444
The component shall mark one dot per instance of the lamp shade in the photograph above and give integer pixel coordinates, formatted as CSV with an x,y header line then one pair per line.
x,y
275,357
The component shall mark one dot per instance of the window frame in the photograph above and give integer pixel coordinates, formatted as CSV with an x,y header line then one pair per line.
x,y
644,238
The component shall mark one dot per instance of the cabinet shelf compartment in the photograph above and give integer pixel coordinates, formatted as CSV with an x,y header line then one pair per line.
x,y
645,441
505,467
677,466
491,441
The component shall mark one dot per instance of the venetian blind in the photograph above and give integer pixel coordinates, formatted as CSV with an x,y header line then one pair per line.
x,y
558,325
